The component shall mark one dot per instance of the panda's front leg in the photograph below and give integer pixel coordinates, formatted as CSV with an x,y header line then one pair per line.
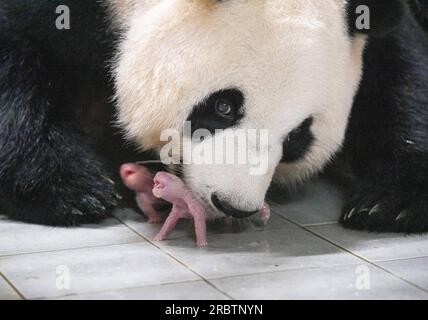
x,y
390,162
56,181
48,172
387,136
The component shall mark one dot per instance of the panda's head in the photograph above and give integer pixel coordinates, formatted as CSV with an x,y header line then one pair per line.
x,y
290,68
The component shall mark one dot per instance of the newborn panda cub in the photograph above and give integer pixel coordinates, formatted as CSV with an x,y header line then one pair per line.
x,y
168,187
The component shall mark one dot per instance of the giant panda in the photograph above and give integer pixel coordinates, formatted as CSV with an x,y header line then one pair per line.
x,y
327,91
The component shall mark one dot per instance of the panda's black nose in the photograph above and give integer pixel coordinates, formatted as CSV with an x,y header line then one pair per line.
x,y
228,209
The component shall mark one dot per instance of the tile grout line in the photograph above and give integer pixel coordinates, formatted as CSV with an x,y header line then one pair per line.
x,y
251,273
180,262
320,224
402,259
202,280
120,289
358,256
314,224
75,248
69,249
284,271
12,286
208,280
305,228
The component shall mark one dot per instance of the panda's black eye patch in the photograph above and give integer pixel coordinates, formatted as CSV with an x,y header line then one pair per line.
x,y
298,142
221,110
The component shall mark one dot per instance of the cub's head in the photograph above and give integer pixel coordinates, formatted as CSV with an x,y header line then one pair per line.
x,y
280,74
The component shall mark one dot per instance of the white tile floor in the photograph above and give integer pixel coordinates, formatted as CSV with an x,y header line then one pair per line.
x,y
301,254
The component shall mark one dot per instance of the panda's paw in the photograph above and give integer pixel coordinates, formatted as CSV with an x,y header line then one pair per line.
x,y
88,199
71,202
381,208
83,193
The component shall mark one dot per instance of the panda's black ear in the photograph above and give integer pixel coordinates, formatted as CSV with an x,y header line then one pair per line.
x,y
374,17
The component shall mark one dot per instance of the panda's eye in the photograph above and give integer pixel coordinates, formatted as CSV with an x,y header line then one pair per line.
x,y
219,110
223,107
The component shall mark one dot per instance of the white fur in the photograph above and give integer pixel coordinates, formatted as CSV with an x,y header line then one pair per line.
x,y
291,58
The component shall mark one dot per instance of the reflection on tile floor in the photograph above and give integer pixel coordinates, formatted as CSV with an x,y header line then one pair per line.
x,y
301,254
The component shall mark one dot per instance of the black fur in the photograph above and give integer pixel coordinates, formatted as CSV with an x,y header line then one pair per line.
x,y
420,9
387,138
298,142
53,84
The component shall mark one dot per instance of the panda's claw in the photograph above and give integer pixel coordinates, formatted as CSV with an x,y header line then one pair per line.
x,y
403,215
106,178
374,209
76,212
350,214
391,211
